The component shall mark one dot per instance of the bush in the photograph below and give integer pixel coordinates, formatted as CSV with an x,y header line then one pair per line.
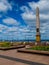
x,y
5,44
44,48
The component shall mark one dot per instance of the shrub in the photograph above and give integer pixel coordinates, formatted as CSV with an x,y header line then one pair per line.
x,y
5,44
44,48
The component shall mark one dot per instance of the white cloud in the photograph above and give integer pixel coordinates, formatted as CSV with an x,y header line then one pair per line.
x,y
44,16
1,31
4,6
25,9
2,28
42,4
24,30
42,31
11,21
29,16
12,29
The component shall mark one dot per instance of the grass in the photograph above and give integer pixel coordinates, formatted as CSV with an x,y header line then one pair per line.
x,y
5,44
41,48
9,44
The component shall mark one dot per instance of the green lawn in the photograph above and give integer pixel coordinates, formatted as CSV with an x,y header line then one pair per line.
x,y
43,48
9,44
5,44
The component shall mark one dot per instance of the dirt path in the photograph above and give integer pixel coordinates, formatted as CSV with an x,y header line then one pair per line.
x,y
12,57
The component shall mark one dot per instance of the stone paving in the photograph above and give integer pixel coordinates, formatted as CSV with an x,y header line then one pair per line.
x,y
12,57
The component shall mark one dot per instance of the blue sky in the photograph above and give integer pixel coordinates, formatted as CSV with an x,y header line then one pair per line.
x,y
18,19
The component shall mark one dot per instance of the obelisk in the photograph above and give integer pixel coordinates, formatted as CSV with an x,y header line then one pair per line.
x,y
37,25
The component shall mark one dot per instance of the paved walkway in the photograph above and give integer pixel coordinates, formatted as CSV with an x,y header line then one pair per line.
x,y
12,57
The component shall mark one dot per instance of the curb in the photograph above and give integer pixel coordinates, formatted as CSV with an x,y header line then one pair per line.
x,y
13,47
33,52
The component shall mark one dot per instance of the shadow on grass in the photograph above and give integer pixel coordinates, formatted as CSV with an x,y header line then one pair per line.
x,y
20,60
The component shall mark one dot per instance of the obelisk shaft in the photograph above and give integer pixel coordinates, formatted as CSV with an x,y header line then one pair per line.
x,y
37,25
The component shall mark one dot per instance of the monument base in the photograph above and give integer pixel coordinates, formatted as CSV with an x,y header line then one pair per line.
x,y
38,39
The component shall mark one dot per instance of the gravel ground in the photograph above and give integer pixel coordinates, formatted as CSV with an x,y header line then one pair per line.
x,y
12,57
